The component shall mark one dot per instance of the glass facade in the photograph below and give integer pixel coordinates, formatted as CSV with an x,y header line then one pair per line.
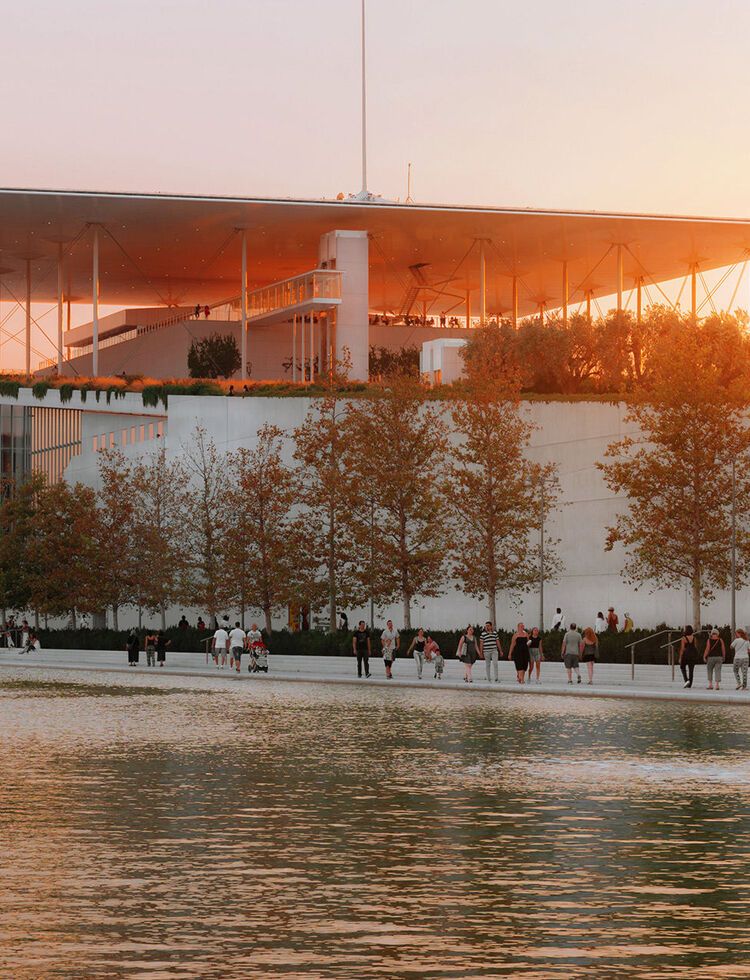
x,y
15,445
55,437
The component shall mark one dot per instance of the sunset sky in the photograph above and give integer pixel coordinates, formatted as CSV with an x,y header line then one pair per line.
x,y
584,104
587,104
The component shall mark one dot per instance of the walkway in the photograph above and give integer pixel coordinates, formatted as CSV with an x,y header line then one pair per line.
x,y
610,680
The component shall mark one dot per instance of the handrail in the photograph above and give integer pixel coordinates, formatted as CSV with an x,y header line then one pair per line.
x,y
634,644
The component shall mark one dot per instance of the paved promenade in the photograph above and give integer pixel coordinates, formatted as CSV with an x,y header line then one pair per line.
x,y
610,680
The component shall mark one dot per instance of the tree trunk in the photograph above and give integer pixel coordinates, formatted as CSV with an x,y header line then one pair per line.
x,y
407,612
73,618
492,609
696,584
36,619
269,624
163,611
115,620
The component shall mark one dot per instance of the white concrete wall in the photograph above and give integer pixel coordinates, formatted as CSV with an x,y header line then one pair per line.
x,y
347,252
572,435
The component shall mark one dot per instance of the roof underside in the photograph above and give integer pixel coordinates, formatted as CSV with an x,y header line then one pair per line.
x,y
185,250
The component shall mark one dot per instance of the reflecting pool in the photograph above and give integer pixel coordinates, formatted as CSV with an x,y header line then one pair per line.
x,y
199,829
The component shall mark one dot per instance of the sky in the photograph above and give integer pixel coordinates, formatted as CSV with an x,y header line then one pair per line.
x,y
583,104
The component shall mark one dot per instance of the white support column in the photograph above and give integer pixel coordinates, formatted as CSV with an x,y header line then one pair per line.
x,y
565,290
28,316
59,307
95,304
312,348
243,309
514,304
639,299
482,285
619,278
468,308
302,331
694,289
294,348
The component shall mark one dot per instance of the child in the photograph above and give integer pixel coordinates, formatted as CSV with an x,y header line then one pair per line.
x,y
439,660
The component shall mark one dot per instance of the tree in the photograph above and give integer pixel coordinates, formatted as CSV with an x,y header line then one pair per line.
x,y
263,541
16,527
205,580
115,555
326,493
62,550
497,497
676,470
217,356
160,506
397,450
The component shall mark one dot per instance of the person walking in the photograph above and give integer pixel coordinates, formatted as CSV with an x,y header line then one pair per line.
x,y
600,625
558,620
416,648
490,650
468,653
133,647
150,645
714,656
389,641
362,648
590,653
571,651
219,647
438,659
161,648
741,647
536,655
519,652
688,656
237,641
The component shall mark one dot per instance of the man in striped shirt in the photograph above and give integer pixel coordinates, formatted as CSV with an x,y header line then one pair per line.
x,y
489,646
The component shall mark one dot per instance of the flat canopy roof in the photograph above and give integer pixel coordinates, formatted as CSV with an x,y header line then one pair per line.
x,y
174,250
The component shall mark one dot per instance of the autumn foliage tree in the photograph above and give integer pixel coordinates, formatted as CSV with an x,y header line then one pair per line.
x,y
114,555
397,452
690,424
497,497
264,543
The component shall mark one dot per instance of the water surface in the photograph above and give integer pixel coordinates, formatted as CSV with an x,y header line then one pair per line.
x,y
277,830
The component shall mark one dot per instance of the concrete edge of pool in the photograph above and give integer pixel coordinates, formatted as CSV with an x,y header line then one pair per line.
x,y
652,685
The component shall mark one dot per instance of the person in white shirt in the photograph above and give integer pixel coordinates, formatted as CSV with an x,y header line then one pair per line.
x,y
219,647
558,620
741,648
600,625
236,646
389,640
254,635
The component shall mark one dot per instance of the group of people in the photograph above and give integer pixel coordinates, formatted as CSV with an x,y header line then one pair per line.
x,y
20,636
526,650
714,657
155,645
205,310
231,644
602,624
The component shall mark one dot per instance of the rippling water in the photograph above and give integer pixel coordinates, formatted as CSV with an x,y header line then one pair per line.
x,y
275,830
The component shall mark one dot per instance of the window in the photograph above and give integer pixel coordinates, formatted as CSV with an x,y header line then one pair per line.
x,y
151,430
95,444
142,433
124,437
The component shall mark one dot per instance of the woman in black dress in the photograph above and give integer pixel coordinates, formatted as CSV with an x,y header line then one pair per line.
x,y
519,652
468,653
161,648
132,647
688,656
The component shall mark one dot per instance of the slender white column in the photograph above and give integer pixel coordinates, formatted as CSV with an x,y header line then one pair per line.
x,y
294,347
95,304
28,316
565,291
364,107
312,348
482,285
619,278
59,307
302,345
515,302
243,308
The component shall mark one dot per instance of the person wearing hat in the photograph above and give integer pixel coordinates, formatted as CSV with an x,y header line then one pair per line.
x,y
714,655
612,620
627,626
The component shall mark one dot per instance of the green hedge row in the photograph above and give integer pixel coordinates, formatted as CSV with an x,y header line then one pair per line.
x,y
613,646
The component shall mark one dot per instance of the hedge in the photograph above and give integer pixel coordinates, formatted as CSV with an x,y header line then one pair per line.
x,y
313,643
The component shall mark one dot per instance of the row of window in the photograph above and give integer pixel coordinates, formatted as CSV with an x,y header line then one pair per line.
x,y
128,437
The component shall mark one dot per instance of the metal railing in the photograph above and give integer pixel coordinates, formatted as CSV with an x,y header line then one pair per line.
x,y
320,284
643,639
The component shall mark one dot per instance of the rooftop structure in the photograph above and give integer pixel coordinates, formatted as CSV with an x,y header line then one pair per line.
x,y
408,263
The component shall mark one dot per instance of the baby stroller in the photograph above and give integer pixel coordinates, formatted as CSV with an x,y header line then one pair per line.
x,y
258,658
